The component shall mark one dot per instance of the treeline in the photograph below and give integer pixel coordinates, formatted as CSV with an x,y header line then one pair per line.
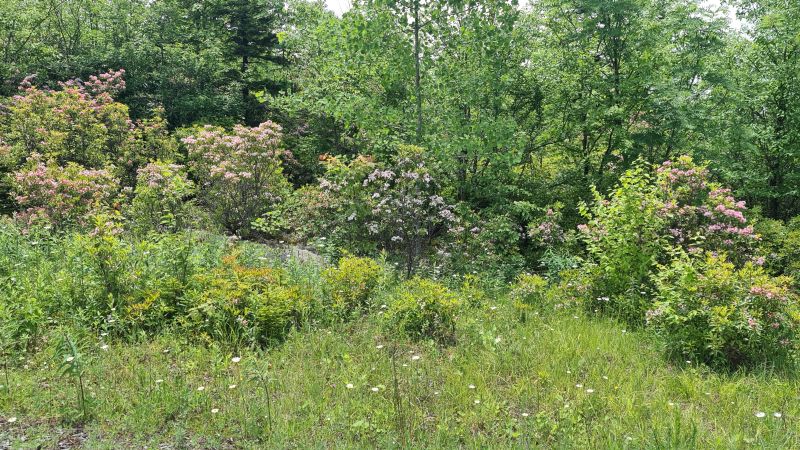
x,y
530,104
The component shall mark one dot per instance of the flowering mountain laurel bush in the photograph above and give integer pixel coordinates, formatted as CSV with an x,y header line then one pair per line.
x,y
79,123
61,197
709,310
160,199
240,171
645,218
406,210
424,309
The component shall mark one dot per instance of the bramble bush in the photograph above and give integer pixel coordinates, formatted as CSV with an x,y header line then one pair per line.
x,y
625,238
240,173
61,197
161,198
423,309
708,309
351,285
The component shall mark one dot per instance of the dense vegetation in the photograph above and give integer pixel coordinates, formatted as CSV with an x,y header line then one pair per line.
x,y
249,223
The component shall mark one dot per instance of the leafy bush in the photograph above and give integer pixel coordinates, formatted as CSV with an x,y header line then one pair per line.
x,y
624,237
489,246
529,293
243,305
351,285
709,310
633,230
79,123
160,200
424,309
61,196
780,246
241,172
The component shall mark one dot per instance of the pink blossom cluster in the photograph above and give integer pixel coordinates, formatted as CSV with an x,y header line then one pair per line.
x,y
61,196
241,170
696,208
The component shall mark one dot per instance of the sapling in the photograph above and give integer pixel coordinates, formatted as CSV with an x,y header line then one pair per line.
x,y
72,365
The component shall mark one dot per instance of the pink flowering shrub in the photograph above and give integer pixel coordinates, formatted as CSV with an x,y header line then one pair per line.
x,y
161,195
709,310
363,206
240,172
61,196
79,123
702,215
647,220
406,210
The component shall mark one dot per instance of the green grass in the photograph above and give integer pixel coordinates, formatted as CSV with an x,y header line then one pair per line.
x,y
531,389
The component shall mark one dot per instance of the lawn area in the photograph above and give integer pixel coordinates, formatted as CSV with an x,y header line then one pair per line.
x,y
561,381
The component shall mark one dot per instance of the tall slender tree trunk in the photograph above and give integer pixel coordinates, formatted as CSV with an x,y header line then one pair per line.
x,y
248,116
417,85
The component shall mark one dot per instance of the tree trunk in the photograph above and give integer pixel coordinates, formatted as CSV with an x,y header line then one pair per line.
x,y
417,85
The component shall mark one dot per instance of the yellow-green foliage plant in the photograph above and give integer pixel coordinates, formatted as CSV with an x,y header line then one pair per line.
x,y
351,285
709,310
243,305
424,309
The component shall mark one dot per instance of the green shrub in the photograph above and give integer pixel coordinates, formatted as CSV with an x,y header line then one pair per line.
x,y
161,198
243,305
711,311
624,238
424,309
529,293
351,285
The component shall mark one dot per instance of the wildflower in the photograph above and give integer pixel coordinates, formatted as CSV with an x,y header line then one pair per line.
x,y
415,358
477,401
590,391
375,389
70,358
777,415
436,392
232,386
472,386
525,414
578,385
349,385
379,346
236,359
605,377
497,340
104,347
214,410
760,414
201,388
12,419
